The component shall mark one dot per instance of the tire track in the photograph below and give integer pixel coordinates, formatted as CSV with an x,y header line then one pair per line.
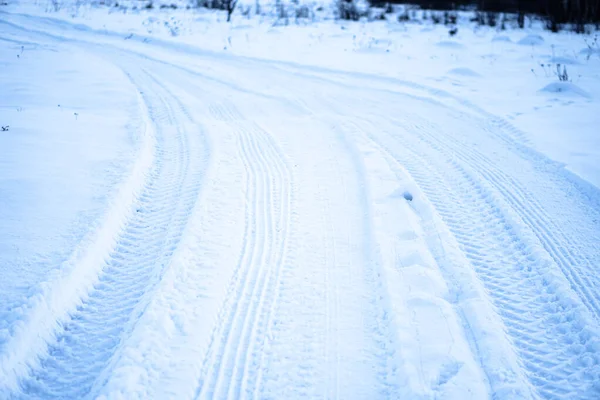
x,y
282,234
332,307
503,374
576,256
530,210
85,344
385,361
233,365
557,348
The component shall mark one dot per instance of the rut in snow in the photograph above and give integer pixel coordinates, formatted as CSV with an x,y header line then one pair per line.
x,y
537,268
86,342
232,367
555,343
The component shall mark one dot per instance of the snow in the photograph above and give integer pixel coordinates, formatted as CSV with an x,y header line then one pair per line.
x,y
463,71
567,89
531,40
401,52
71,139
262,209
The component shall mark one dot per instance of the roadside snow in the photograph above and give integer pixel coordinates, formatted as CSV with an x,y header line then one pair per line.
x,y
71,138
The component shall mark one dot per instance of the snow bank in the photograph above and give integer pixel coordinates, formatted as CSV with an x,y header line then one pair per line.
x,y
565,89
73,158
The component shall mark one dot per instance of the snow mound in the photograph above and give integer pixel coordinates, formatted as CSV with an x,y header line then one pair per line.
x,y
501,38
565,88
450,44
463,71
531,40
564,60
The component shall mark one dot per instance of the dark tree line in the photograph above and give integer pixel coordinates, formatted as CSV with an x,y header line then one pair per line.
x,y
557,12
227,5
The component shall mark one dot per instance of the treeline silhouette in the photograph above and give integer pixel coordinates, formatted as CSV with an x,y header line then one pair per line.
x,y
576,13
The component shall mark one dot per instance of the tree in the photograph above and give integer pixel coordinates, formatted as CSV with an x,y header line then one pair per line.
x,y
229,7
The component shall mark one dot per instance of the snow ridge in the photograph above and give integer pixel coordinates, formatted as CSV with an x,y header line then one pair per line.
x,y
62,294
533,299
464,292
86,342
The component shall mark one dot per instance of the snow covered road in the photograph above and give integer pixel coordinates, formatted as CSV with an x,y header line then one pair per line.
x,y
288,231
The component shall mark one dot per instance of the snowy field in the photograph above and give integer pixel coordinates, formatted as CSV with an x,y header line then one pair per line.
x,y
303,209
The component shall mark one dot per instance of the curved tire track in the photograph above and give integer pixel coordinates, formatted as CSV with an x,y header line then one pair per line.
x,y
86,342
578,269
558,349
232,367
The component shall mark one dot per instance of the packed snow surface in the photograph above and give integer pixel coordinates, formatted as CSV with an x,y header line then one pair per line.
x,y
365,210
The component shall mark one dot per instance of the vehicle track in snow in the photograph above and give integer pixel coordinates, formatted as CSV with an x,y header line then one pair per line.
x,y
233,365
505,378
556,344
85,343
333,334
574,260
530,266
524,253
575,252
